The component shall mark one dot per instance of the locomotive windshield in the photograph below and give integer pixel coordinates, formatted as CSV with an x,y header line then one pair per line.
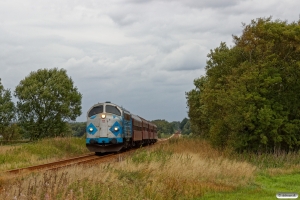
x,y
113,110
96,110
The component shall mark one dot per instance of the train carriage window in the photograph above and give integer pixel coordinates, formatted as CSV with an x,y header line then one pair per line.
x,y
127,117
96,110
113,110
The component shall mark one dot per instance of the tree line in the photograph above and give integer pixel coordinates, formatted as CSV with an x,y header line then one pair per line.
x,y
165,127
248,100
47,100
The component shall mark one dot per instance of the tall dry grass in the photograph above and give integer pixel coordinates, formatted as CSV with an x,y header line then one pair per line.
x,y
178,169
4,149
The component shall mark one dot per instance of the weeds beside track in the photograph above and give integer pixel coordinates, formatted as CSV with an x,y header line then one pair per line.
x,y
179,168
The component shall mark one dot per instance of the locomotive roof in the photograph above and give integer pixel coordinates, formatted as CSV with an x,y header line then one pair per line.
x,y
109,103
136,117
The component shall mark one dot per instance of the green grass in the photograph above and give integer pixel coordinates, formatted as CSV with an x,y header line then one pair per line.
x,y
39,152
269,160
158,155
178,169
265,187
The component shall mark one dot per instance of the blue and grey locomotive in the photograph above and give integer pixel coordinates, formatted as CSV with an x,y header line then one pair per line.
x,y
111,128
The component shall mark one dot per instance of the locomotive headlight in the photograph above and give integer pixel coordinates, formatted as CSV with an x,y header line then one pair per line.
x,y
116,128
103,116
91,129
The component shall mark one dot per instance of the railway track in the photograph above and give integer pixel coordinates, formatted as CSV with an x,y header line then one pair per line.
x,y
89,158
61,163
86,159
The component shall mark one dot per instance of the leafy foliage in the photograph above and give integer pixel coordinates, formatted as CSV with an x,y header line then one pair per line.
x,y
182,123
165,127
47,99
186,128
11,132
175,125
7,114
249,98
78,128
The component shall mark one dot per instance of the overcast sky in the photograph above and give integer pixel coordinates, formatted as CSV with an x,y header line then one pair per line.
x,y
140,54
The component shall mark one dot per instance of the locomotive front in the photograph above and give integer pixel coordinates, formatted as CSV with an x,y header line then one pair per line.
x,y
104,131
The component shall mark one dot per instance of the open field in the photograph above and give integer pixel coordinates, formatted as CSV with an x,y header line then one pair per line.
x,y
178,169
40,152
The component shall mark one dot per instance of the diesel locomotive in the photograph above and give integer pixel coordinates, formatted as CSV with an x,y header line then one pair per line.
x,y
111,128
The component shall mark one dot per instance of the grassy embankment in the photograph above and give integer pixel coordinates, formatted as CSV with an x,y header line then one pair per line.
x,y
40,152
177,169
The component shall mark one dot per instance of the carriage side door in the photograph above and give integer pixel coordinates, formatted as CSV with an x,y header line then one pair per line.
x,y
127,125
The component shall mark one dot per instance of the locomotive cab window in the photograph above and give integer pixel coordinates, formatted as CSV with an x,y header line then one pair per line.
x,y
113,110
96,110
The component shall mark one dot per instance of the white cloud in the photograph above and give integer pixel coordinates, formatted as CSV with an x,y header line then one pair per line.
x,y
143,55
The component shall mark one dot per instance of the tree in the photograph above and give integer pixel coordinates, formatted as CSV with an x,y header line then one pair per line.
x,y
78,128
175,125
163,126
11,132
47,100
248,99
186,128
7,110
182,123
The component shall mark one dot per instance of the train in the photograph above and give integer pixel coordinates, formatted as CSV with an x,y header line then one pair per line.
x,y
112,128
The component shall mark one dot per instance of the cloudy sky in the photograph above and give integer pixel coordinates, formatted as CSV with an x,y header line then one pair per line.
x,y
141,54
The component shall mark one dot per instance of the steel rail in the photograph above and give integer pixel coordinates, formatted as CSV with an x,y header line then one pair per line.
x,y
73,161
56,163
